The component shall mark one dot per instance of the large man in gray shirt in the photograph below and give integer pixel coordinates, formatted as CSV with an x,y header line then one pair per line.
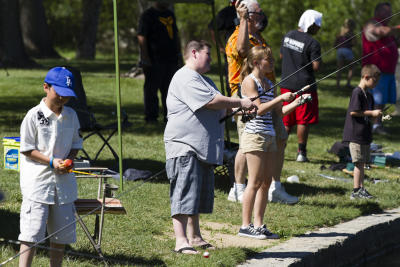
x,y
194,144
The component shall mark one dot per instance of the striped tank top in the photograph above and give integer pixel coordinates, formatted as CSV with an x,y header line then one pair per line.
x,y
262,124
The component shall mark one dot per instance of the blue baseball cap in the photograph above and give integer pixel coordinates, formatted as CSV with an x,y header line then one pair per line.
x,y
62,81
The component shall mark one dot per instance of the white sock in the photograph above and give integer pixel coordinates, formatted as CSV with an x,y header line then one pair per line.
x,y
239,186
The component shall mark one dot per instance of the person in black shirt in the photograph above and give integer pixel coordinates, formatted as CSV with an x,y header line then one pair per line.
x,y
358,129
298,49
160,55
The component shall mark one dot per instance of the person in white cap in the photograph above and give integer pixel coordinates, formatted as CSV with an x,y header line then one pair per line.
x,y
298,49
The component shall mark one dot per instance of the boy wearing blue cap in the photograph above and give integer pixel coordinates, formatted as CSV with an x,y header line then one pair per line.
x,y
49,135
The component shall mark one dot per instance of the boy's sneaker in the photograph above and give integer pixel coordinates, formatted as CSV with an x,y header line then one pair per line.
x,y
264,230
279,195
236,194
301,157
252,232
362,193
365,193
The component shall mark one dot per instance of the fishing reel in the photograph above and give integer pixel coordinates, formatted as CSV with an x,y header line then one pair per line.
x,y
248,117
304,99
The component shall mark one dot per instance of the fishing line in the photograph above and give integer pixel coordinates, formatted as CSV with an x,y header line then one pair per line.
x,y
309,63
351,63
81,217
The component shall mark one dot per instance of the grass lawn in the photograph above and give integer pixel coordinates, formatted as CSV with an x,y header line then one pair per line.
x,y
144,236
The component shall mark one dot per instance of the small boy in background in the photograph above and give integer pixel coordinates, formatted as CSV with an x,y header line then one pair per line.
x,y
49,135
358,129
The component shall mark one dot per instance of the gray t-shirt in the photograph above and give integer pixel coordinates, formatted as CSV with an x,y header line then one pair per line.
x,y
191,126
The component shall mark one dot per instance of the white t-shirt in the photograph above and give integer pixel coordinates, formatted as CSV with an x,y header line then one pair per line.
x,y
52,136
191,126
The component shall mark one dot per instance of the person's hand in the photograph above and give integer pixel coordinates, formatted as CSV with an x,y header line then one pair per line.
x,y
59,166
376,113
287,97
247,104
242,10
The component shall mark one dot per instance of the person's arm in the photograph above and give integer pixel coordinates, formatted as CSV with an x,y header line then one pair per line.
x,y
383,31
224,102
316,65
243,43
37,156
370,113
249,88
144,54
293,105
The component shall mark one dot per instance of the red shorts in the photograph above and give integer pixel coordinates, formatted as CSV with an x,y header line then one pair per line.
x,y
305,114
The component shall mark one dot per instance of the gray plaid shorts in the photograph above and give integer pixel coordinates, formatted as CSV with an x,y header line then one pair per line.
x,y
192,185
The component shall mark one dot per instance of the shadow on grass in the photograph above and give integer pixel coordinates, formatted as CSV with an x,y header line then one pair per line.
x,y
116,259
304,189
9,224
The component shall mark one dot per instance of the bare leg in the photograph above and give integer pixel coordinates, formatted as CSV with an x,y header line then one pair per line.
x,y
193,230
256,163
340,64
302,133
180,222
280,157
358,175
25,259
240,167
56,254
349,76
260,204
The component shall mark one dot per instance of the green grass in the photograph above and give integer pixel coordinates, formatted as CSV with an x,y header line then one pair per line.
x,y
144,235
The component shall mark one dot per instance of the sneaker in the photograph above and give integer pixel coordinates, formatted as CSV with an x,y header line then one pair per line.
x,y
302,158
236,194
279,195
264,230
365,193
362,193
250,231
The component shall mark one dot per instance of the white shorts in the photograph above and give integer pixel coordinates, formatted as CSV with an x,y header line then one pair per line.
x,y
34,216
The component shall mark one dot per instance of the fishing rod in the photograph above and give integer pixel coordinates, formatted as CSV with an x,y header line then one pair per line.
x,y
309,63
307,87
36,244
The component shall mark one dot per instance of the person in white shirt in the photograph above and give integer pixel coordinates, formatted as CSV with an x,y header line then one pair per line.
x,y
49,135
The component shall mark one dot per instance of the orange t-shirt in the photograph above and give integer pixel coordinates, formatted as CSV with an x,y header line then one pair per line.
x,y
235,61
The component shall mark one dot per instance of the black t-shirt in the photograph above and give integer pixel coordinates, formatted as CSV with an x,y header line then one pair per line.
x,y
358,129
162,44
226,21
298,49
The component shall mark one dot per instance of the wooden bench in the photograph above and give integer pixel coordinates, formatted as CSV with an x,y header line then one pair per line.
x,y
104,203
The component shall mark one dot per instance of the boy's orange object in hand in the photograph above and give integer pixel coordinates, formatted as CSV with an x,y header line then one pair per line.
x,y
68,163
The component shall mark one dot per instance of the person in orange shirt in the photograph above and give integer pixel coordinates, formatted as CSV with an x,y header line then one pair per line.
x,y
247,35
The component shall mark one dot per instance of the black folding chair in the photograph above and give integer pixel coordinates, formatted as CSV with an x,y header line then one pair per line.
x,y
89,125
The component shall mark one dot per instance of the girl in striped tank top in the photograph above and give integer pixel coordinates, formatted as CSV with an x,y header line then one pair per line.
x,y
258,139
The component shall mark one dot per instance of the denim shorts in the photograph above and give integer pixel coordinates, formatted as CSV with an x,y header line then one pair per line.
x,y
344,54
192,185
34,217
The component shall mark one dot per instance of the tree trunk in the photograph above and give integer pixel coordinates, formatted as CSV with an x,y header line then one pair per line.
x,y
11,44
35,31
87,37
